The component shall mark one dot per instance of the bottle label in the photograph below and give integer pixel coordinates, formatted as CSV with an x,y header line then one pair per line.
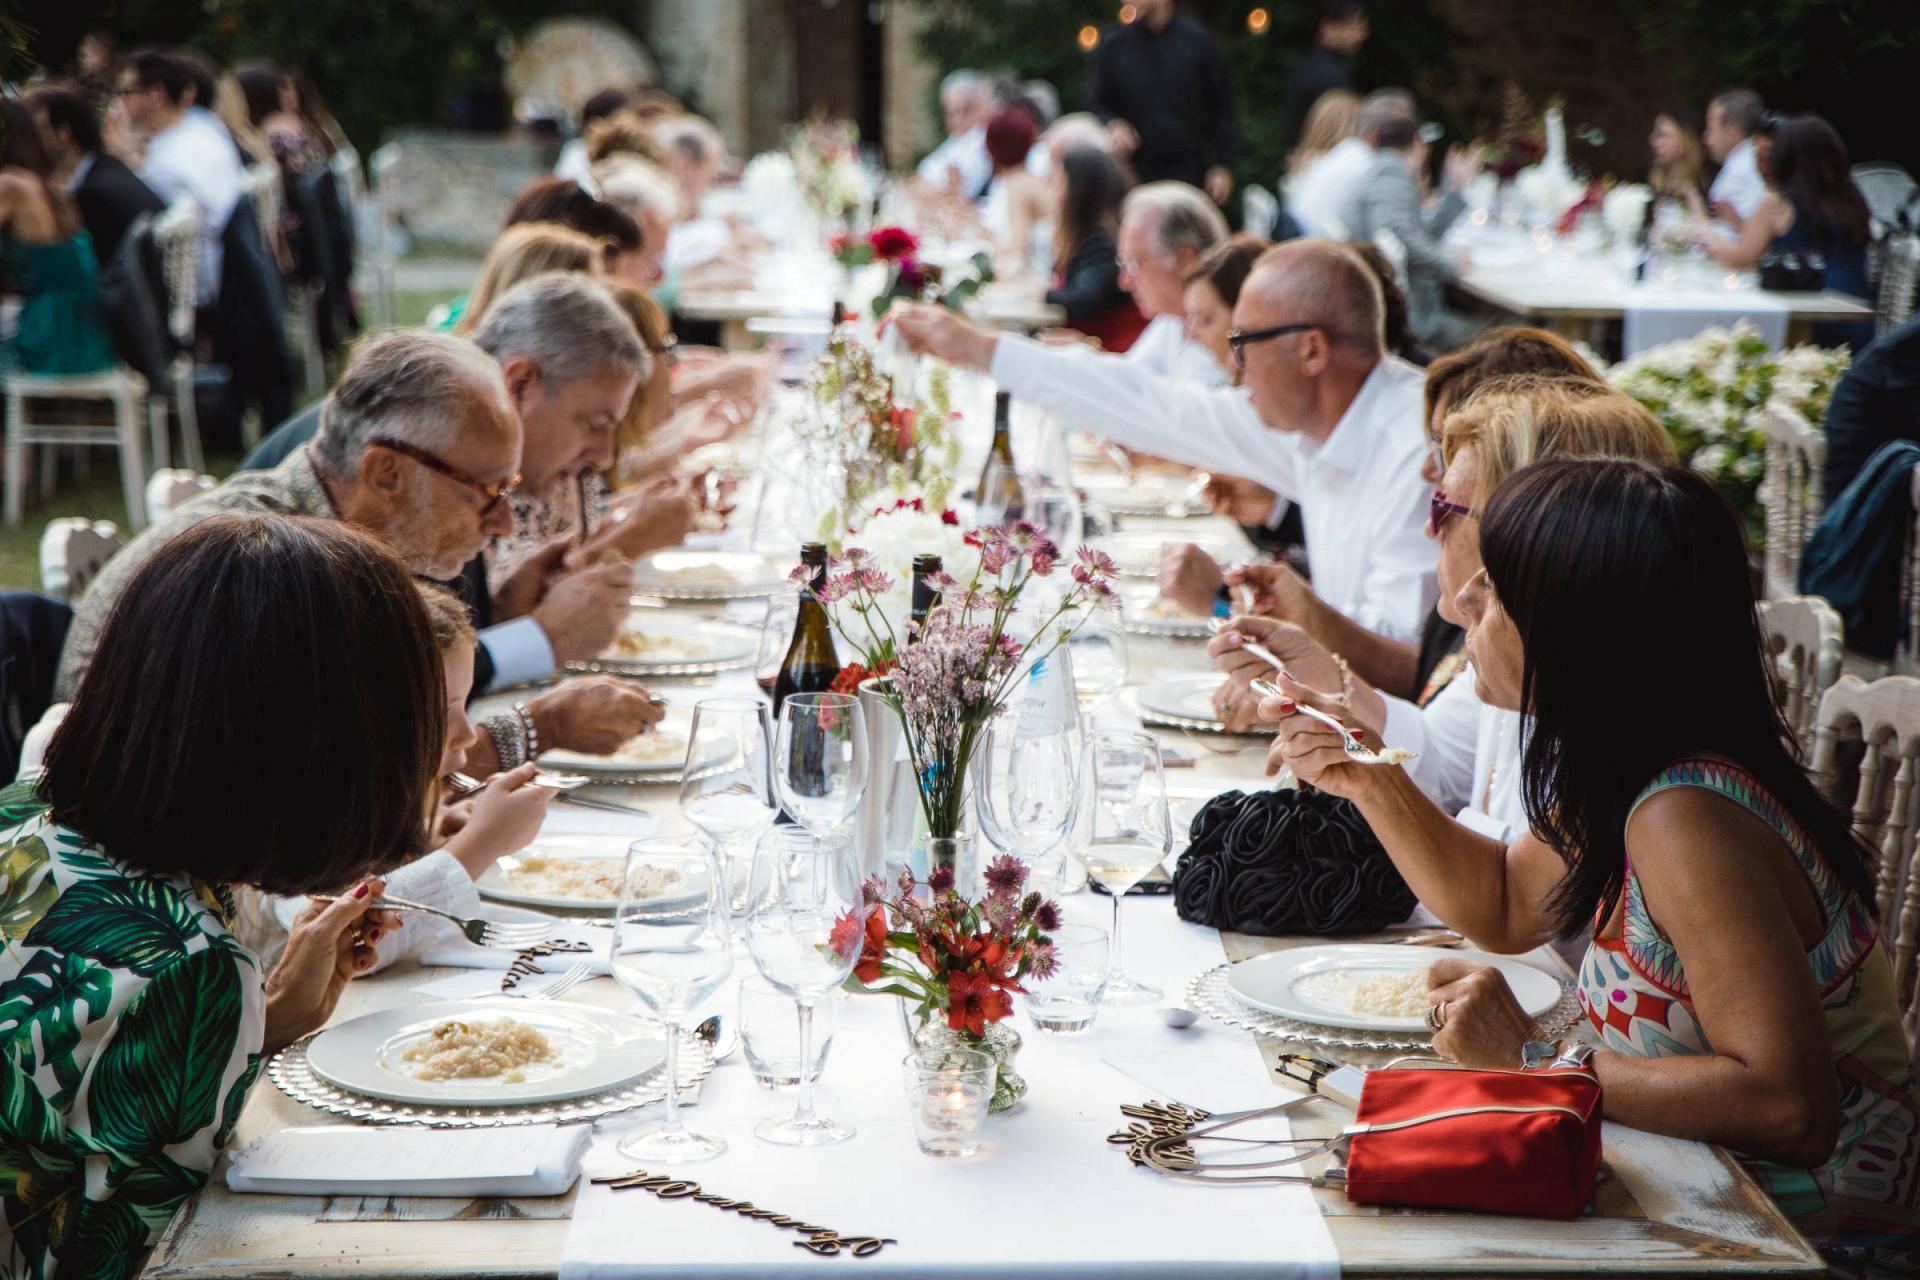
x,y
1047,700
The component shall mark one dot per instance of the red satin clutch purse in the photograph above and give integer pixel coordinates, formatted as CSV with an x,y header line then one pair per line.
x,y
1438,1136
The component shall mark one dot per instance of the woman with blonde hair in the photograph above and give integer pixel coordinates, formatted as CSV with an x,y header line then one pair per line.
x,y
521,252
1334,116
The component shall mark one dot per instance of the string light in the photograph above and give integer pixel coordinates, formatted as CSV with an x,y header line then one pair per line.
x,y
1128,13
1089,37
1258,21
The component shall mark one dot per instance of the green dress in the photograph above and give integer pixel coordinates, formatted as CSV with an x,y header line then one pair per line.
x,y
130,1030
62,330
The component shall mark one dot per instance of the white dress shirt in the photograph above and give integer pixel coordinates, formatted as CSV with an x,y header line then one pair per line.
x,y
966,152
1325,194
520,651
195,158
1364,505
1739,182
1164,348
1444,736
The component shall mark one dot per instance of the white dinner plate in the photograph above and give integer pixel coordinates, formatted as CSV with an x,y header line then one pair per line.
x,y
597,1050
666,743
498,882
1186,701
663,644
1304,983
707,575
1142,611
1138,552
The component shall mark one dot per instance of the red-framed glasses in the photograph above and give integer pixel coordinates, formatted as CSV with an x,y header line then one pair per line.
x,y
1440,510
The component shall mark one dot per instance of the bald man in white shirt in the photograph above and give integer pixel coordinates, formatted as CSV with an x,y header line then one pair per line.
x,y
1326,418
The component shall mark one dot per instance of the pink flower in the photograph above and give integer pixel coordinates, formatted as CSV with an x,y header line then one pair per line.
x,y
1047,916
1042,563
996,556
1097,563
1005,874
940,879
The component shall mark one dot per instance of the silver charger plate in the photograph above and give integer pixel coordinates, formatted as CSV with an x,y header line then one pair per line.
x,y
1157,716
733,647
295,1077
1210,994
747,576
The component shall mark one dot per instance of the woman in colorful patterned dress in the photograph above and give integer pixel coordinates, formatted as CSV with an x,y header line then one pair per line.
x,y
1738,985
265,710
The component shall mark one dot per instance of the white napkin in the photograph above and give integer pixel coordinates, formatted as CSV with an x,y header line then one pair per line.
x,y
1656,315
536,1160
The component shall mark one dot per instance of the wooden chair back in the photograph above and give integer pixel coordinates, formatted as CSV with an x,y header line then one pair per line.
x,y
1805,637
1880,721
1796,463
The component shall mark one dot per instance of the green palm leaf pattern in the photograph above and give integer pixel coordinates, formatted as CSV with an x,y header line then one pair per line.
x,y
236,1101
27,891
21,802
106,1241
155,1187
139,924
156,1081
49,997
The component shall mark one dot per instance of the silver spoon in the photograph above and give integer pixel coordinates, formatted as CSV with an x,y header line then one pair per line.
x,y
1355,751
721,1038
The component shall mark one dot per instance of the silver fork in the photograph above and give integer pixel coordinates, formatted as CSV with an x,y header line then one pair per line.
x,y
562,983
482,933
466,784
1254,647
1355,751
1183,505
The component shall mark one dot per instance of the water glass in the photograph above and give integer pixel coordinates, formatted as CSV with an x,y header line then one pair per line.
x,y
726,789
1068,1001
770,1034
820,759
947,1095
1099,651
672,947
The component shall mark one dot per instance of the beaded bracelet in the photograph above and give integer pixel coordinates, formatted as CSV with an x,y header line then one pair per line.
x,y
1346,680
509,742
533,735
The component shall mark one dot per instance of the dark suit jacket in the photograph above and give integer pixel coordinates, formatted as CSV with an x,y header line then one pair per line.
x,y
110,198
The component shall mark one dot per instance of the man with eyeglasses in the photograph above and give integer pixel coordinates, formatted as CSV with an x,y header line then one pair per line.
x,y
1324,417
419,444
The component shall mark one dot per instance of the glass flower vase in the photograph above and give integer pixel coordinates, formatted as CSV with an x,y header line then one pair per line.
x,y
1001,1043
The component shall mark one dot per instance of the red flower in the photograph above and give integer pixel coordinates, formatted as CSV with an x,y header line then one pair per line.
x,y
973,1001
903,438
949,517
892,243
873,945
853,674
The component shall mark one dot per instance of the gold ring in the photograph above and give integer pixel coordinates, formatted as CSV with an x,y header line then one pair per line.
x,y
1437,1015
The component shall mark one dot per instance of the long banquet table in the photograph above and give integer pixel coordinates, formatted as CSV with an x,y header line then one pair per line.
x,y
1664,1207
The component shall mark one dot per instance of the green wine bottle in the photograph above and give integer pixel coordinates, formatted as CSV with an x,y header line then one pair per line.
x,y
811,662
1000,492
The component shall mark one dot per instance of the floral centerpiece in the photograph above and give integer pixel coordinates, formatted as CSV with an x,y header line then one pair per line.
x,y
863,440
955,678
1707,391
826,167
958,963
908,275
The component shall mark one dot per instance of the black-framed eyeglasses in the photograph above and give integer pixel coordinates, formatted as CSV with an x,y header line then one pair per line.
x,y
495,494
1237,339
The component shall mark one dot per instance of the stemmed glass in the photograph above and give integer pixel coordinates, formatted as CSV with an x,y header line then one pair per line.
x,y
776,633
1026,788
672,947
726,788
1129,831
804,933
820,759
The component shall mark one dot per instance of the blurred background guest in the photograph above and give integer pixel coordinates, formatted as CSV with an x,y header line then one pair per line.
x,y
1087,191
46,258
1163,88
1342,29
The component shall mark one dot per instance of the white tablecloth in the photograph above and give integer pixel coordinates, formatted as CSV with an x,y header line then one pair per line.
x,y
1048,1197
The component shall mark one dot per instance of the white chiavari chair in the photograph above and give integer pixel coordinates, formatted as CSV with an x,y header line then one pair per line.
x,y
71,552
176,235
1881,721
172,488
1796,465
1805,637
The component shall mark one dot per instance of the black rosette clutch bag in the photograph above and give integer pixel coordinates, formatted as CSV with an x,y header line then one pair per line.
x,y
1287,862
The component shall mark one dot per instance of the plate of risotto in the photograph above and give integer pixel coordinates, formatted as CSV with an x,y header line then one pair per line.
x,y
574,873
510,1052
1368,986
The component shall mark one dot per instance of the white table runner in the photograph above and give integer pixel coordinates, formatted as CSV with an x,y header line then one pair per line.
x,y
1048,1197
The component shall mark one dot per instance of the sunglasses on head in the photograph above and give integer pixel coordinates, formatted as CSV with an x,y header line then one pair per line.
x,y
1440,510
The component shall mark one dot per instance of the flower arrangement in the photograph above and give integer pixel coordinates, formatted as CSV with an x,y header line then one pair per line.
x,y
908,275
826,168
892,532
1707,391
947,955
963,664
858,433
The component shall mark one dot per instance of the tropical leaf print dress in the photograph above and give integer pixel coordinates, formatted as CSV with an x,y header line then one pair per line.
x,y
130,1031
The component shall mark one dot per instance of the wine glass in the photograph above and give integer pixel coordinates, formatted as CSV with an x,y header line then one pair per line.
x,y
805,934
776,633
672,948
1099,648
726,788
1056,510
1129,831
1026,775
820,759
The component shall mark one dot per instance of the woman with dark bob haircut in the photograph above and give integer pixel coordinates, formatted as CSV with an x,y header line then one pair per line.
x,y
266,710
1668,811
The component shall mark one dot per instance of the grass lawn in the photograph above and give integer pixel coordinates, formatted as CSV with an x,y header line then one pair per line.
x,y
97,496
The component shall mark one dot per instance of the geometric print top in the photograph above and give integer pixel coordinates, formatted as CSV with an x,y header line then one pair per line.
x,y
130,1030
1861,1209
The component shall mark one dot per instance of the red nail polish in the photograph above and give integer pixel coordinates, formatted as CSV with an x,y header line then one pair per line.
x,y
1355,734
1288,706
361,891
373,935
